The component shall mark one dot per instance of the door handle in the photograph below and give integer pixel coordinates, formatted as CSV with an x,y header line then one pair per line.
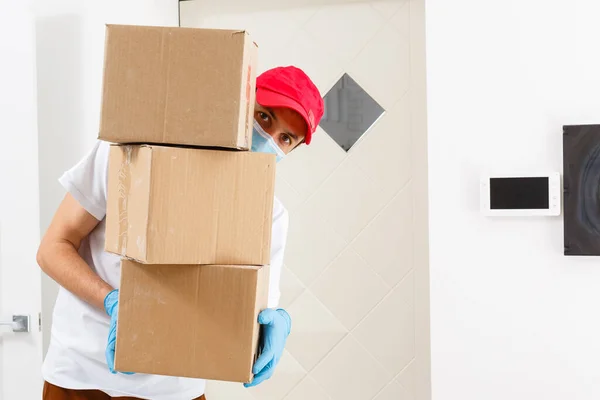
x,y
19,323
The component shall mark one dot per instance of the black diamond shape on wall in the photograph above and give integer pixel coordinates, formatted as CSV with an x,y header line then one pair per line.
x,y
349,112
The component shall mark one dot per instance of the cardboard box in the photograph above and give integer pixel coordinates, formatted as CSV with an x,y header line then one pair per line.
x,y
178,86
170,205
189,320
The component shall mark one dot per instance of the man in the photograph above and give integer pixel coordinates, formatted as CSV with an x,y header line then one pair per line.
x,y
80,359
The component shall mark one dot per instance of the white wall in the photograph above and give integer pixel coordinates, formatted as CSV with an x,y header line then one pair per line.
x,y
70,53
20,282
512,318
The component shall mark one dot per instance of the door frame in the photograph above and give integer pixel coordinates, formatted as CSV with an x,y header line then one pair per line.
x,y
20,277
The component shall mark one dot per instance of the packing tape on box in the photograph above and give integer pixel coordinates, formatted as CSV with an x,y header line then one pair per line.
x,y
124,187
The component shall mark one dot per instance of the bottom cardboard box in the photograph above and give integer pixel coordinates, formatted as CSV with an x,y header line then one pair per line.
x,y
196,321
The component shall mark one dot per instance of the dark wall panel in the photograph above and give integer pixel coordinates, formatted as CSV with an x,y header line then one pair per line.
x,y
581,162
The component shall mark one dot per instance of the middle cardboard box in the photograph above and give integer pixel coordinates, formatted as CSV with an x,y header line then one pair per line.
x,y
174,205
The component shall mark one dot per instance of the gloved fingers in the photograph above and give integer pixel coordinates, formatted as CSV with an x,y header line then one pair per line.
x,y
261,377
112,332
288,320
128,373
263,360
110,359
110,356
267,317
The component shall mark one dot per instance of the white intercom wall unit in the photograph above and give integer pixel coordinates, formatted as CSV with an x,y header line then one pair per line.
x,y
521,195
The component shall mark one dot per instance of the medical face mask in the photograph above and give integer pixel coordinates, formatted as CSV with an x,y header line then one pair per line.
x,y
262,142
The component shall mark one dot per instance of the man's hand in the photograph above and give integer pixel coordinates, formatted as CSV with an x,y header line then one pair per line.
x,y
276,328
111,306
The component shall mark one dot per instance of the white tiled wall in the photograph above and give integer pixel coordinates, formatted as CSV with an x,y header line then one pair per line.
x,y
356,274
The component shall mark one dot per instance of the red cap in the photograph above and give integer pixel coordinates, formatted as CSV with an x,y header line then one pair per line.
x,y
290,87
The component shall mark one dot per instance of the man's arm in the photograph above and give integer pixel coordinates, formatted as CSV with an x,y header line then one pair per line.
x,y
59,258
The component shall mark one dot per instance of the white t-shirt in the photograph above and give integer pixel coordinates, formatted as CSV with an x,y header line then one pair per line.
x,y
75,358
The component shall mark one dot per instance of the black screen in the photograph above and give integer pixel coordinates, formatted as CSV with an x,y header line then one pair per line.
x,y
519,194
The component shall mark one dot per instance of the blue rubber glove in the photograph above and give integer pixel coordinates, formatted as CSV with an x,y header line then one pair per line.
x,y
111,306
276,325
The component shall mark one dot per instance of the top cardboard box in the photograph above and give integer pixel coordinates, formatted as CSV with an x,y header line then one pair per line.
x,y
179,86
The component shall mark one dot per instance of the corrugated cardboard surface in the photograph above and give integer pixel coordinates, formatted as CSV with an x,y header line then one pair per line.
x,y
169,205
178,86
189,320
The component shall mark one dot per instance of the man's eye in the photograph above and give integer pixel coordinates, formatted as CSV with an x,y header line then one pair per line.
x,y
263,116
286,139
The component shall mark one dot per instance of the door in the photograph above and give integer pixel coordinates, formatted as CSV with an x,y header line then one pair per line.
x,y
356,266
20,277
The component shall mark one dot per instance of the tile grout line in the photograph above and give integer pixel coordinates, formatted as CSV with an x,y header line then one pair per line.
x,y
391,374
395,380
387,18
386,113
388,294
383,367
366,316
306,374
335,346
302,380
411,362
383,208
349,333
345,64
304,287
367,43
285,396
319,186
381,390
349,243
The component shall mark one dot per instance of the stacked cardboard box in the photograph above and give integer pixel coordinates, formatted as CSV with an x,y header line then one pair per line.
x,y
189,208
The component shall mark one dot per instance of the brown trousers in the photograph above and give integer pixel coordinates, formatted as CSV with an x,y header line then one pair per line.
x,y
52,392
